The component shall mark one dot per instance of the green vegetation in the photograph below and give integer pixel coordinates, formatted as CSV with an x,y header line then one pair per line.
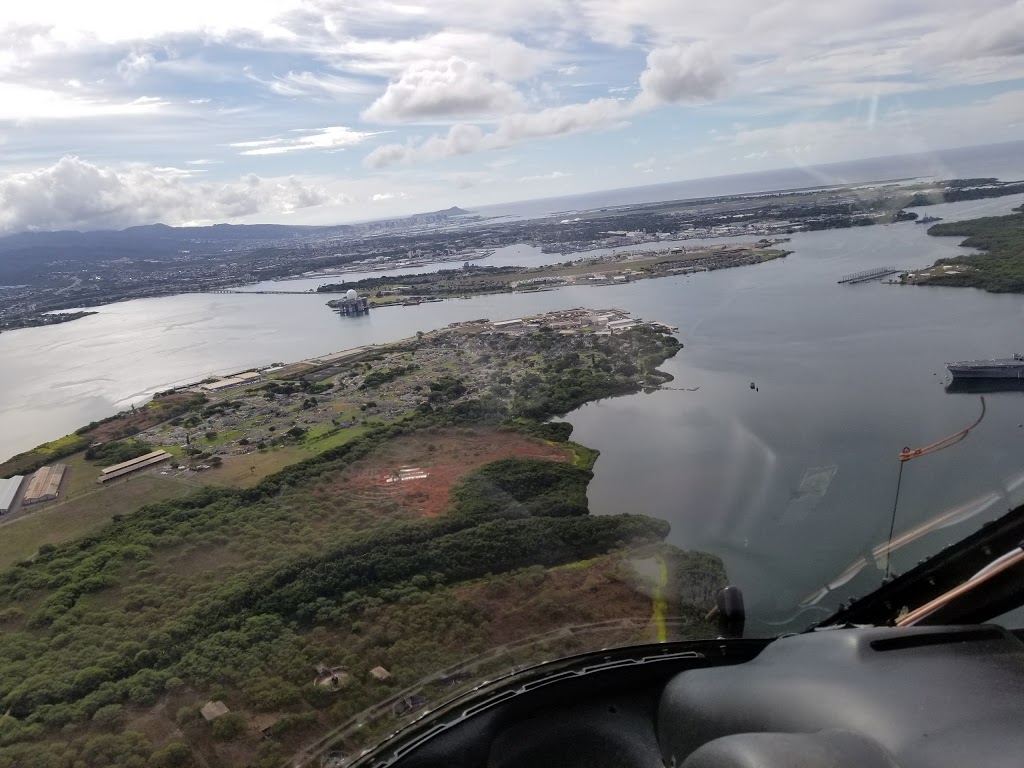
x,y
30,461
108,454
82,514
568,381
445,389
523,488
125,634
237,593
383,376
999,269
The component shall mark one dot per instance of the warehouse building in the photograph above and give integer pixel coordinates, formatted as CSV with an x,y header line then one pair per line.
x,y
133,465
45,484
229,382
9,493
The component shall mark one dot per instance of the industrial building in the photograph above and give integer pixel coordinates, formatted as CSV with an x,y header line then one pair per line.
x,y
621,325
9,492
45,484
132,465
352,304
238,380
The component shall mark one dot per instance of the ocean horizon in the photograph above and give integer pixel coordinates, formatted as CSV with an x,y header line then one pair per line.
x,y
1003,161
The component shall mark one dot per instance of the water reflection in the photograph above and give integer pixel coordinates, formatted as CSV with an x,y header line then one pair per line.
x,y
983,507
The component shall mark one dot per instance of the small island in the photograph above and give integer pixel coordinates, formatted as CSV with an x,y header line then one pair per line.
x,y
617,267
329,547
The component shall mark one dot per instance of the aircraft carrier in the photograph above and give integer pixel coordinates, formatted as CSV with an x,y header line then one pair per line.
x,y
1006,368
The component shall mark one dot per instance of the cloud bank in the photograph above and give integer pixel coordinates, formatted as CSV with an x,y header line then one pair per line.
x,y
74,194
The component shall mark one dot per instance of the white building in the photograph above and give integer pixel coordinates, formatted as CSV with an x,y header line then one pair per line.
x,y
8,492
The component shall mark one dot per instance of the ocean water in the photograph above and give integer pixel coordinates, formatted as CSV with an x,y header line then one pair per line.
x,y
1002,161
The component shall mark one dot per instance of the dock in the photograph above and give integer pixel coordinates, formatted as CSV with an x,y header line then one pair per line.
x,y
868,274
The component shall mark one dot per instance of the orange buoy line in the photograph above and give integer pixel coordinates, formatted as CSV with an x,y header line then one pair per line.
x,y
913,453
907,454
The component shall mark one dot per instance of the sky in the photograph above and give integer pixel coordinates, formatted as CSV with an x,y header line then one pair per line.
x,y
119,112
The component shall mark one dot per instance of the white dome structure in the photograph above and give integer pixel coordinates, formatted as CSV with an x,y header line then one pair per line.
x,y
351,295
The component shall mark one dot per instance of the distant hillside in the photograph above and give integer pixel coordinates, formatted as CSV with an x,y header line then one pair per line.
x,y
24,254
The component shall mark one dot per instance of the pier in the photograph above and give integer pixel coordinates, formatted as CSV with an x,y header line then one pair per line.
x,y
868,274
257,293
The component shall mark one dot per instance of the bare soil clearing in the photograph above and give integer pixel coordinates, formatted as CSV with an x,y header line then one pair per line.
x,y
444,456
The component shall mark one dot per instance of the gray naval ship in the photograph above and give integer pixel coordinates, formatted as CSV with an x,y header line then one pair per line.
x,y
1006,368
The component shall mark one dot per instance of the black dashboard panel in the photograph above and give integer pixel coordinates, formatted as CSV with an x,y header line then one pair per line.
x,y
932,697
929,696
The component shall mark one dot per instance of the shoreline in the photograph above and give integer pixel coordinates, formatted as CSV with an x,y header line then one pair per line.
x,y
288,370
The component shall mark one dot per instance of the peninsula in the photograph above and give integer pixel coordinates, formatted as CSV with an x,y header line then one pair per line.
x,y
999,268
329,547
618,267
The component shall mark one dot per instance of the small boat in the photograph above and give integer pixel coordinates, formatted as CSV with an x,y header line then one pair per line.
x,y
929,219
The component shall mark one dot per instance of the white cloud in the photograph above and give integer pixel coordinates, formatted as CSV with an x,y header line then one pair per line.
x,y
464,139
558,121
135,64
74,194
506,65
311,84
454,88
203,161
388,154
461,139
333,138
999,32
678,74
496,54
383,197
672,75
126,20
23,102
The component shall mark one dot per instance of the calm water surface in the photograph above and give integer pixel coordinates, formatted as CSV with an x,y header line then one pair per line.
x,y
789,483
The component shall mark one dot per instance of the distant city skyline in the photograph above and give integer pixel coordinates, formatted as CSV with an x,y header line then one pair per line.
x,y
323,112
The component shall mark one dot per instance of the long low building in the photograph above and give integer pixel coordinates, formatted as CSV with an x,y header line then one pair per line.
x,y
8,492
238,380
139,462
45,484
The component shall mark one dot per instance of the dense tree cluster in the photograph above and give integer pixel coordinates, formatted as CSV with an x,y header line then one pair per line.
x,y
107,454
384,375
1000,268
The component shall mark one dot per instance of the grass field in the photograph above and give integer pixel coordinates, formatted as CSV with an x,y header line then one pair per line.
x,y
82,476
88,511
55,445
249,469
86,505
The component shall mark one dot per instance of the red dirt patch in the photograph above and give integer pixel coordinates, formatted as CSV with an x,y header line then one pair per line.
x,y
444,455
